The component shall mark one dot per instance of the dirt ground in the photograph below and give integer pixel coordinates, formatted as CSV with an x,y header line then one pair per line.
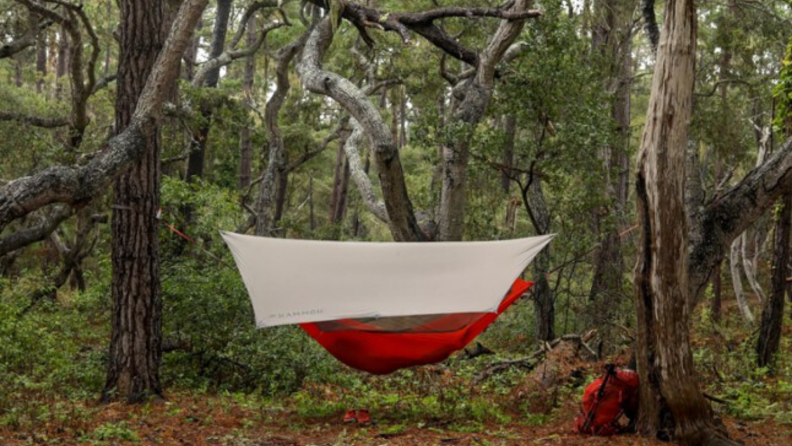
x,y
198,421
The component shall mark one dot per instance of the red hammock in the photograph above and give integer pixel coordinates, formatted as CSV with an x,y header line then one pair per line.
x,y
381,346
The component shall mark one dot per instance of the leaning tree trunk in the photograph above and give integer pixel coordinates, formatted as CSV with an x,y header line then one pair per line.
x,y
671,403
773,314
137,306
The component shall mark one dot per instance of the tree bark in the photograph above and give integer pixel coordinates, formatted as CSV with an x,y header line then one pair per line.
x,y
468,113
715,303
773,314
612,38
739,294
402,222
544,304
41,61
245,145
143,79
274,176
196,160
671,402
510,132
135,348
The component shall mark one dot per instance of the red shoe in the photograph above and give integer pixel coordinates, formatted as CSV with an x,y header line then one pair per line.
x,y
363,416
349,416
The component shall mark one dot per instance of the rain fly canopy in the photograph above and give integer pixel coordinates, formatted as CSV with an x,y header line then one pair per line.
x,y
298,281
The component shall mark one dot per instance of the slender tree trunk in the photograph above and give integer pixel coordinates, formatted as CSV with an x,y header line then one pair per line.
x,y
544,304
196,160
191,55
63,62
715,303
135,346
338,173
510,132
612,41
773,314
739,294
41,61
245,145
671,403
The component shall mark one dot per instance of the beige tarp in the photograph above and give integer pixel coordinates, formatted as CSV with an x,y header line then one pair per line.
x,y
294,281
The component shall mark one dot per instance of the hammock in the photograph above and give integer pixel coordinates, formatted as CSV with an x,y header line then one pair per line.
x,y
379,307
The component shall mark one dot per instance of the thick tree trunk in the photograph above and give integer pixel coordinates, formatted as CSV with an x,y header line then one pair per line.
x,y
135,346
773,314
671,403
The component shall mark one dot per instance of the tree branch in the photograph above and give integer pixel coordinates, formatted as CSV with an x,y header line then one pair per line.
x,y
36,121
76,185
28,39
360,177
36,233
402,222
422,23
231,55
730,213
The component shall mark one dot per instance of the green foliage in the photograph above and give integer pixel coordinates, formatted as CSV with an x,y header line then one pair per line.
x,y
114,431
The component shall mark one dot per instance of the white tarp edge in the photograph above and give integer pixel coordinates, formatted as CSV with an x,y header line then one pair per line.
x,y
295,281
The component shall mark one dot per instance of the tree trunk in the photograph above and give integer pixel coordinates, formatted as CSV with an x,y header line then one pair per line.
x,y
272,189
245,145
611,41
544,304
41,61
739,294
63,61
510,132
135,346
773,314
715,303
671,402
191,55
341,168
196,161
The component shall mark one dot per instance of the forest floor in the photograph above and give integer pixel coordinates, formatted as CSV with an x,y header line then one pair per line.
x,y
431,405
215,420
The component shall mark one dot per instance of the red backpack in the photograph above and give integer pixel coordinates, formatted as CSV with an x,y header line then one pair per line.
x,y
606,399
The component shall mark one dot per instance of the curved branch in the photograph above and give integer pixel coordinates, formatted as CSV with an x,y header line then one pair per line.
x,y
28,39
422,23
24,237
359,175
402,222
